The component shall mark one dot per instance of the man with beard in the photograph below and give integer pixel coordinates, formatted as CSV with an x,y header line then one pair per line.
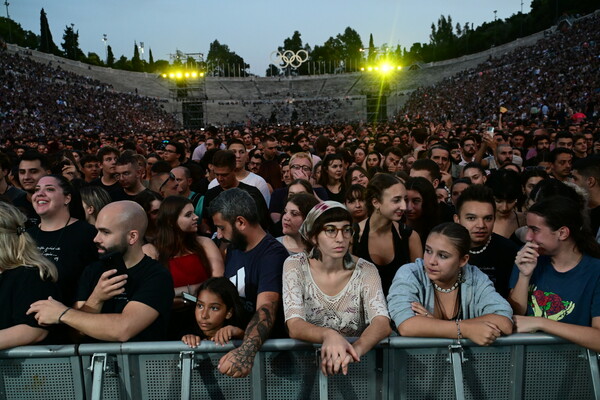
x,y
110,305
468,147
254,264
490,252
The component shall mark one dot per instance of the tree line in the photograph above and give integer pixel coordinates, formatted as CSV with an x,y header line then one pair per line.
x,y
338,54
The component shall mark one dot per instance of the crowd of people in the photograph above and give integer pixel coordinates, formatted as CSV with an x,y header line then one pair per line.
x,y
430,228
552,80
294,234
52,102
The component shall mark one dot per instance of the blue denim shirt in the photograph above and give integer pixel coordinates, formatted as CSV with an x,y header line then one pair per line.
x,y
477,293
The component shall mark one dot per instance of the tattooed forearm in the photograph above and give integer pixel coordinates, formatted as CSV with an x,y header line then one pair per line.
x,y
256,333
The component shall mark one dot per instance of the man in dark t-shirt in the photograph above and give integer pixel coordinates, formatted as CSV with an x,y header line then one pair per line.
x,y
224,170
111,305
491,253
254,264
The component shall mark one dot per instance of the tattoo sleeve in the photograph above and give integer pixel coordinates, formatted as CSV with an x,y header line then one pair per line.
x,y
256,333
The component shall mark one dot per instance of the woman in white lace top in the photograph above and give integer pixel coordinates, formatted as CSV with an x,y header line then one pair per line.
x,y
329,294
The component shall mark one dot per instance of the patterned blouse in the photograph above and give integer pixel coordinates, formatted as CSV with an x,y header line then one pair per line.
x,y
349,312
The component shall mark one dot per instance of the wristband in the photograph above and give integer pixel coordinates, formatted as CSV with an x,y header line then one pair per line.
x,y
63,313
458,333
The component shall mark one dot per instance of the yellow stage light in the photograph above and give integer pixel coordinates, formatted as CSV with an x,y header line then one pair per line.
x,y
194,74
362,68
385,68
376,68
399,68
187,74
172,75
201,74
164,75
370,68
178,75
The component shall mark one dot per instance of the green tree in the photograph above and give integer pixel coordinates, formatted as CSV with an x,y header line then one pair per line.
x,y
47,45
94,59
371,56
351,50
225,62
136,62
161,66
273,70
14,33
70,44
110,57
123,63
150,66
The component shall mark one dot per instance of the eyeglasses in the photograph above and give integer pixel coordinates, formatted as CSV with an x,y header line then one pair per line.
x,y
171,177
304,168
331,231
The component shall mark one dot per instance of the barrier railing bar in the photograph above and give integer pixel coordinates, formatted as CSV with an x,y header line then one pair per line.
x,y
186,360
258,377
594,372
517,372
456,358
98,366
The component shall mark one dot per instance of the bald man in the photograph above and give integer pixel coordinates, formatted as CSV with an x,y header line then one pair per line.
x,y
132,303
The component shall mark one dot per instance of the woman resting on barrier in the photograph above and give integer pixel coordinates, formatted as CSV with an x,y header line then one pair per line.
x,y
26,276
443,296
218,312
556,280
329,295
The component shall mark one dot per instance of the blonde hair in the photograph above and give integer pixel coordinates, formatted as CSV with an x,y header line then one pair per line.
x,y
17,248
301,155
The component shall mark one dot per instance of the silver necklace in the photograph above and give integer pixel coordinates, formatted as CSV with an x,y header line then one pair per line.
x,y
452,289
482,249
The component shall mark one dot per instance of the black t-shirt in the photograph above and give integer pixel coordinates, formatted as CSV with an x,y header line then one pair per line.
x,y
115,190
496,261
595,219
19,288
148,282
71,249
23,204
261,205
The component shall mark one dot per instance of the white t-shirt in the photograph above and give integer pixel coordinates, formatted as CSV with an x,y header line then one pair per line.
x,y
253,180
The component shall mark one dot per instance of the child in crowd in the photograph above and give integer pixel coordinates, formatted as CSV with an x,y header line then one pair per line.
x,y
218,313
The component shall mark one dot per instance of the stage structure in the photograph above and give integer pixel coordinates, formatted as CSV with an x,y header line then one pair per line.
x,y
187,85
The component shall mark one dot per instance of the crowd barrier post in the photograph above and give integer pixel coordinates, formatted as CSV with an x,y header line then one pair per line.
x,y
98,367
457,357
595,372
186,364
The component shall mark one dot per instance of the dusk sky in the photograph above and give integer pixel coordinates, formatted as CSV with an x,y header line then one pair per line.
x,y
253,29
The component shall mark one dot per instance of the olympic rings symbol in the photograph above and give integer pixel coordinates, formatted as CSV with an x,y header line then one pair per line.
x,y
289,59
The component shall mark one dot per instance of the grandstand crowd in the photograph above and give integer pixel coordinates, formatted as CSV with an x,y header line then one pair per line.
x,y
459,219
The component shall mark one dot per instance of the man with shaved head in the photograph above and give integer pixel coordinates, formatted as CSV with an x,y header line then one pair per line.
x,y
124,297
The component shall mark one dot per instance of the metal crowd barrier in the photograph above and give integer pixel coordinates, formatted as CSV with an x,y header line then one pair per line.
x,y
521,366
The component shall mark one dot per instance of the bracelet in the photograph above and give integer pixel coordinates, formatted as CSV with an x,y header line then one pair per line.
x,y
63,314
458,334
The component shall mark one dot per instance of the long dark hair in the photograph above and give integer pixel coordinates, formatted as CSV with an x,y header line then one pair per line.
x,y
559,211
170,239
75,206
324,178
430,215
